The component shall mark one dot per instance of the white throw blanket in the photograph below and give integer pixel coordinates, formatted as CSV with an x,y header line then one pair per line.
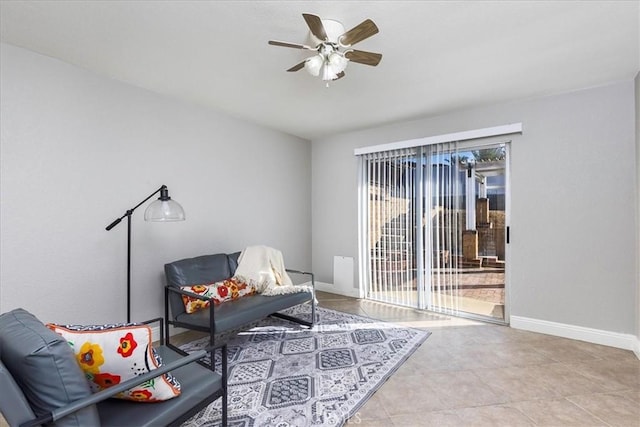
x,y
263,268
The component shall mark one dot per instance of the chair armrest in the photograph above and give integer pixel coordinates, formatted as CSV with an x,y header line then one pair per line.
x,y
313,283
187,293
59,413
298,271
168,289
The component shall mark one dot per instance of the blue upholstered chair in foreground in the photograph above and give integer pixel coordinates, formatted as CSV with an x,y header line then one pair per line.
x,y
41,382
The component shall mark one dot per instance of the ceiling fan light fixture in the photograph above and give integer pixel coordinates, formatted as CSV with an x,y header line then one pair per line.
x,y
314,64
334,65
333,47
328,73
337,61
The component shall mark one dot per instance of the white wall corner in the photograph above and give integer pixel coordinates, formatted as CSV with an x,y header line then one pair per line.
x,y
636,348
595,336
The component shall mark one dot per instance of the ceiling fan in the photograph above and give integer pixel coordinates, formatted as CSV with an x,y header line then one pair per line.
x,y
332,47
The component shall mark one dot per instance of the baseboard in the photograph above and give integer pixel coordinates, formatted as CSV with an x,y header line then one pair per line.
x,y
155,332
331,288
595,336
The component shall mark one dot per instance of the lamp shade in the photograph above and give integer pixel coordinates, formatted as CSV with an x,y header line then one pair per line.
x,y
164,209
314,64
337,61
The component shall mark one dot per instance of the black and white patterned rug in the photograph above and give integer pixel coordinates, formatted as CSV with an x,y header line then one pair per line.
x,y
284,374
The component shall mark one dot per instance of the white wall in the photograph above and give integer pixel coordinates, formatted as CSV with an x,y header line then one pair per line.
x,y
78,150
573,202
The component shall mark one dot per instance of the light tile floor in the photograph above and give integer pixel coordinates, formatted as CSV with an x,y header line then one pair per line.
x,y
469,373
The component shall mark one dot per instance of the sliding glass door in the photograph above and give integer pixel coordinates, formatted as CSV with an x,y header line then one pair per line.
x,y
435,219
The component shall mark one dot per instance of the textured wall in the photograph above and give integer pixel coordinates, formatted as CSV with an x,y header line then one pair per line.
x,y
78,150
573,251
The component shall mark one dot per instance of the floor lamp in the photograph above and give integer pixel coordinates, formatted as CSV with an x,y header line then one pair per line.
x,y
163,209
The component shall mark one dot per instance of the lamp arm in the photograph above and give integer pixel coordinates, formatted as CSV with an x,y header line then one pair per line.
x,y
130,211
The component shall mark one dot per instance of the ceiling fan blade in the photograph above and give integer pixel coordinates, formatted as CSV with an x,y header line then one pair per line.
x,y
315,25
362,57
297,66
339,75
293,45
362,31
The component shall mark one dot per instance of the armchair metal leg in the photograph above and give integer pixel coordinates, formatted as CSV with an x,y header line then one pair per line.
x,y
166,317
212,327
224,382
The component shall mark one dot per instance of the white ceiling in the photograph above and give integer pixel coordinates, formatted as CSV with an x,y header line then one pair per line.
x,y
438,56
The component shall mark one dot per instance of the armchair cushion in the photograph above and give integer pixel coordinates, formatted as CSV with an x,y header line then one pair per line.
x,y
111,354
200,380
44,368
239,313
13,404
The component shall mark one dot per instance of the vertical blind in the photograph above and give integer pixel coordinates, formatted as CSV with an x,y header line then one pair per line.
x,y
419,234
444,187
388,197
411,213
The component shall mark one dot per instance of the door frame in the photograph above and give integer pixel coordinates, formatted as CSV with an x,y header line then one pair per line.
x,y
477,137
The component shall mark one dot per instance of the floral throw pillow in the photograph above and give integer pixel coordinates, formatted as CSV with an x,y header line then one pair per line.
x,y
111,354
219,292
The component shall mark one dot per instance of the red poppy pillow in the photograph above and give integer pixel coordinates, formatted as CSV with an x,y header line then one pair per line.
x,y
219,292
111,354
